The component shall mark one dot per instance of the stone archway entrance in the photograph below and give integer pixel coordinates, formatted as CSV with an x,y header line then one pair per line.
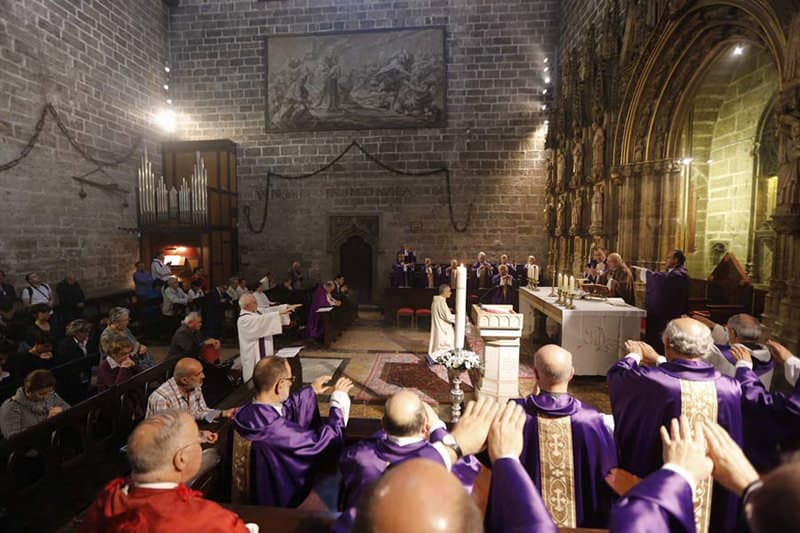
x,y
353,241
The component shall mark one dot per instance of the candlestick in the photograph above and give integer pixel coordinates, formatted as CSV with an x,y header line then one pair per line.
x,y
461,306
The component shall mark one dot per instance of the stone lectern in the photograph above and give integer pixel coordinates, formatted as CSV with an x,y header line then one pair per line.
x,y
500,329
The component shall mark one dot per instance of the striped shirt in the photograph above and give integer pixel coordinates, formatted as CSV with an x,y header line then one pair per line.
x,y
169,396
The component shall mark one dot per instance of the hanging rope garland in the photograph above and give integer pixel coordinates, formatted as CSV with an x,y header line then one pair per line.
x,y
443,170
48,109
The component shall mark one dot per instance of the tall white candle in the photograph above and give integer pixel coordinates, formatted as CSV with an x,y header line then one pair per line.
x,y
535,272
571,283
461,305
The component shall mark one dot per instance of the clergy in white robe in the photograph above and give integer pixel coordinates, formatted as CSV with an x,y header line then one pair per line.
x,y
256,328
442,319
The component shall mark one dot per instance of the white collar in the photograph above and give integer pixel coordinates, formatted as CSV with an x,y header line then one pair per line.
x,y
163,485
277,406
404,441
113,364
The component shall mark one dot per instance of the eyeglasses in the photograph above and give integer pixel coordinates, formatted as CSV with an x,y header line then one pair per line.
x,y
291,378
199,440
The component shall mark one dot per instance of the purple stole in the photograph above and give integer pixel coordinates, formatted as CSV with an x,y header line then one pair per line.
x,y
645,398
771,420
286,450
660,503
568,452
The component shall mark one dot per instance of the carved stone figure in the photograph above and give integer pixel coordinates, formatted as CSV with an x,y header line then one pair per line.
x,y
577,211
577,159
597,209
562,206
561,169
598,150
550,170
550,214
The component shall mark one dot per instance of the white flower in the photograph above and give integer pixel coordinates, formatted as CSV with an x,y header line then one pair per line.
x,y
457,360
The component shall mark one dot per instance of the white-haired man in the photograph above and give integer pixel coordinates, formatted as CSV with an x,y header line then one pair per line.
x,y
646,397
741,329
187,340
256,329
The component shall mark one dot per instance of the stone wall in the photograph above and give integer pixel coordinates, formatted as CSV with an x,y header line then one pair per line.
x,y
100,63
493,142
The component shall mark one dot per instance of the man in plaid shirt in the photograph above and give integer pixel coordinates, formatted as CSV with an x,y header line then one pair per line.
x,y
184,392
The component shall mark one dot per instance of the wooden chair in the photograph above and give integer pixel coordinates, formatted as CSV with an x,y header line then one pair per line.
x,y
403,312
421,313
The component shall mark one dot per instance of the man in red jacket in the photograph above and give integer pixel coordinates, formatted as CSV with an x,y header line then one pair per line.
x,y
164,452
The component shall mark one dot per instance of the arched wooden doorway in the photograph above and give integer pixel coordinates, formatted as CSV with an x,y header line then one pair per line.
x,y
355,264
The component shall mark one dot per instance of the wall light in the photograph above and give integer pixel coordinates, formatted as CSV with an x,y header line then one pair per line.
x,y
166,87
166,120
547,79
738,50
546,59
686,161
166,69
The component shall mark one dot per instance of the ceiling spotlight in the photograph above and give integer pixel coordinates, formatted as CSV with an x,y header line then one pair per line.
x,y
544,91
166,120
686,161
546,59
169,101
546,122
546,69
166,69
544,107
166,87
547,79
738,50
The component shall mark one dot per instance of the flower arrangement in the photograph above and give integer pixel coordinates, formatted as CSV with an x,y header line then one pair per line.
x,y
461,360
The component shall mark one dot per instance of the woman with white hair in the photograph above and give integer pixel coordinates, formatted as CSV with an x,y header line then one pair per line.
x,y
118,320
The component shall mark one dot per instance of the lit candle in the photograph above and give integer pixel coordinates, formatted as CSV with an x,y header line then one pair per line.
x,y
461,305
571,283
535,272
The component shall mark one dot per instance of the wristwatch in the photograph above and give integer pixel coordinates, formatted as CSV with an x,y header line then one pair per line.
x,y
450,441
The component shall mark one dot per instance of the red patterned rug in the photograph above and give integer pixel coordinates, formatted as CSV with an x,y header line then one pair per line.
x,y
392,372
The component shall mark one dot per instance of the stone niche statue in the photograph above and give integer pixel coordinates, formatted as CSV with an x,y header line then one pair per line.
x,y
561,169
597,209
550,214
577,212
550,170
598,150
577,159
560,208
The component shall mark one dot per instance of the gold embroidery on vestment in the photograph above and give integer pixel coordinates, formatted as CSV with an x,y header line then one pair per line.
x,y
699,402
557,469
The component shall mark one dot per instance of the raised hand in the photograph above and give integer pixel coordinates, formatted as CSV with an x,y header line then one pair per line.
x,y
318,385
505,433
779,352
686,448
343,384
632,346
741,353
732,470
430,414
208,437
473,427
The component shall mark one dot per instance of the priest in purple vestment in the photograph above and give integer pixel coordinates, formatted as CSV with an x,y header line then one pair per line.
x,y
504,285
420,495
323,297
644,398
554,414
666,297
482,272
411,429
771,420
739,329
288,440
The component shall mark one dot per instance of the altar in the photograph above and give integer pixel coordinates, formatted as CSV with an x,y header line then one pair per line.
x,y
594,332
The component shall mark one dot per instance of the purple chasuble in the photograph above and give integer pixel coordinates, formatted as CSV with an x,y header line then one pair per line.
x,y
666,297
645,398
286,450
771,420
593,449
516,505
314,325
661,503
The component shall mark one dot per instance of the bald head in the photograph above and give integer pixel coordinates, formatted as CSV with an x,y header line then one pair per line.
x,y
776,505
186,367
404,415
421,496
553,366
686,338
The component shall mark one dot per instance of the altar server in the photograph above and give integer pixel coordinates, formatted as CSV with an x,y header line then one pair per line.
x,y
443,336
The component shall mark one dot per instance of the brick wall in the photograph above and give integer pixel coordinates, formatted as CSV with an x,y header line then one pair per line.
x,y
493,141
100,62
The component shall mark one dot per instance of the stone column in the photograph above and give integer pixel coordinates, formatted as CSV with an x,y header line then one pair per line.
x,y
671,209
625,221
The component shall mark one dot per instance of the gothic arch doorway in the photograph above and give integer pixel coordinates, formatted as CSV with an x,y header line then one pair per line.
x,y
355,264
